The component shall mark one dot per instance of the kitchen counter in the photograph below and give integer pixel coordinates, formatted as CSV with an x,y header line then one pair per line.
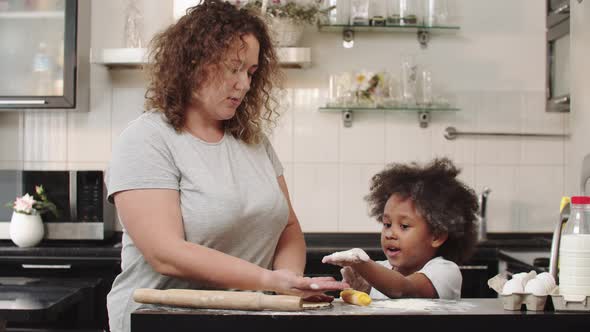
x,y
317,244
61,260
330,242
402,314
62,250
40,299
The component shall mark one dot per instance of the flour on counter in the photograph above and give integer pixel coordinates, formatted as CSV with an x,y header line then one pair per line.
x,y
422,305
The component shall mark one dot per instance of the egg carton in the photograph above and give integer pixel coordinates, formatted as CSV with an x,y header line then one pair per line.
x,y
569,302
514,301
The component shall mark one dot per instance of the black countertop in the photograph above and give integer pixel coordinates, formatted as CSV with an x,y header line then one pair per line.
x,y
516,247
329,242
40,299
402,314
60,251
316,243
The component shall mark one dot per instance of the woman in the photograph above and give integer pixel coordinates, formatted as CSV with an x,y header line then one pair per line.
x,y
197,185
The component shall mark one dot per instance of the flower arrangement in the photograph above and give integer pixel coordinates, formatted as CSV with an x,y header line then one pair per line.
x,y
297,10
38,203
367,85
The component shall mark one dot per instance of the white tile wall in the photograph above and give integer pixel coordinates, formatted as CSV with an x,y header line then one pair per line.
x,y
494,67
45,137
579,121
405,141
316,196
11,140
539,194
354,186
503,202
316,133
282,135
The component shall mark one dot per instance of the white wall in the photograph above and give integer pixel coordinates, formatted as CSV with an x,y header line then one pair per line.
x,y
580,92
495,67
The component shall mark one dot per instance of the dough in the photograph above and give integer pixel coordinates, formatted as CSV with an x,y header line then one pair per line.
x,y
316,305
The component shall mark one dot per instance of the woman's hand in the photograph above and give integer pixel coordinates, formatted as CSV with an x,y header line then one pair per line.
x,y
354,279
347,258
287,282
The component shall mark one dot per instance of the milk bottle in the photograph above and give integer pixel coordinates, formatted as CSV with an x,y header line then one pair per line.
x,y
574,250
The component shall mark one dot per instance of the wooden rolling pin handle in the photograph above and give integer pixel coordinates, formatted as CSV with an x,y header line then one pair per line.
x,y
218,299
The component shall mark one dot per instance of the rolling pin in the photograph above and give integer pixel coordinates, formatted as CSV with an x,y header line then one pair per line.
x,y
355,297
209,299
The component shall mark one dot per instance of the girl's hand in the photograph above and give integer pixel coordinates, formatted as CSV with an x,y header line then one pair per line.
x,y
354,279
347,258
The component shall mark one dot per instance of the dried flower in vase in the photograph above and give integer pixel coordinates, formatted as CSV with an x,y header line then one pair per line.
x,y
38,203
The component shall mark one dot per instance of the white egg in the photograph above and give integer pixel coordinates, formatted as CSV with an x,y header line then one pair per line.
x,y
548,279
524,277
536,286
521,275
512,286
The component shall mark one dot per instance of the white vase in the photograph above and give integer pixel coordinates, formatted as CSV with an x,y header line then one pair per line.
x,y
286,33
26,230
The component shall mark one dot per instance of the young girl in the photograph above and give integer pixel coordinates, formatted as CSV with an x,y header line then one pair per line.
x,y
428,219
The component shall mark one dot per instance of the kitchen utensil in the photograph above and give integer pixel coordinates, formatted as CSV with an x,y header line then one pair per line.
x,y
564,214
208,299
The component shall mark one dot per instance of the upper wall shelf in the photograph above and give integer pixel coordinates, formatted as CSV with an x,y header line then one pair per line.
x,y
423,112
422,31
289,57
32,14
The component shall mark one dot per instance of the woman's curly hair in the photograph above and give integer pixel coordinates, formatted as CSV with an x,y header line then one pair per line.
x,y
446,204
181,54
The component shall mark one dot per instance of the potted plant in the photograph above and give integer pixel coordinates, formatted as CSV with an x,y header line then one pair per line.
x,y
287,18
26,226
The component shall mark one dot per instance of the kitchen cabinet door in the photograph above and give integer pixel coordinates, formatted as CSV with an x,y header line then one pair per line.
x,y
44,45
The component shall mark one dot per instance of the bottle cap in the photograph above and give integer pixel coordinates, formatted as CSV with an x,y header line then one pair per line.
x,y
580,200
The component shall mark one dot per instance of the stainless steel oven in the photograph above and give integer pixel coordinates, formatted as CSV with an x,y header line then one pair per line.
x,y
80,197
558,56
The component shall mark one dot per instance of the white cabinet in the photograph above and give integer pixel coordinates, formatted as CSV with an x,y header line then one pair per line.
x,y
289,57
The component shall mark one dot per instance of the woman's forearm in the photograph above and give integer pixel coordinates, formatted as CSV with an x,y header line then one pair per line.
x,y
210,267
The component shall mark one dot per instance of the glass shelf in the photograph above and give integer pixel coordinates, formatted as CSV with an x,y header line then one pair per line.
x,y
409,109
387,28
422,31
423,112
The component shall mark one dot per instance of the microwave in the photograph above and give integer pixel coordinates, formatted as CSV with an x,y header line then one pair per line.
x,y
80,198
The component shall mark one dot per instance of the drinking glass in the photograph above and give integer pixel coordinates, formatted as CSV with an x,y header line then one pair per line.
x,y
435,12
359,12
409,76
340,89
426,95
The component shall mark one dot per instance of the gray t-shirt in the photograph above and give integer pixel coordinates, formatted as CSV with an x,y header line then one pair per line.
x,y
229,198
444,275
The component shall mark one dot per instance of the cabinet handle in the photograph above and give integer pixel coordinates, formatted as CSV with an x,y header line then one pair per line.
x,y
561,100
562,8
47,266
24,102
473,267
